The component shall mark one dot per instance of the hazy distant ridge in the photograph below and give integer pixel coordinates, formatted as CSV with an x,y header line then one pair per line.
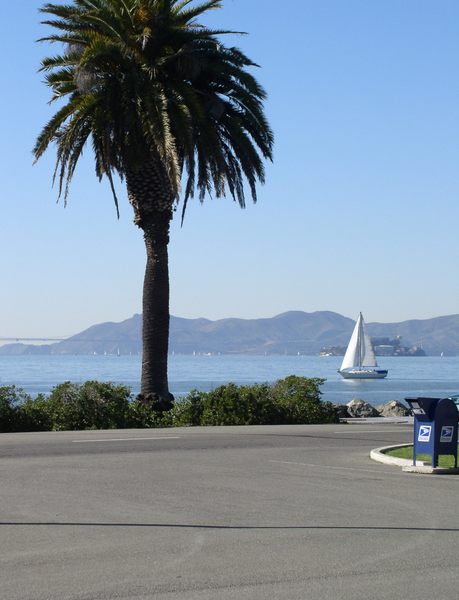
x,y
289,332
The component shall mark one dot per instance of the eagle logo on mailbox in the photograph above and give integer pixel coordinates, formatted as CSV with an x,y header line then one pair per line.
x,y
424,433
446,434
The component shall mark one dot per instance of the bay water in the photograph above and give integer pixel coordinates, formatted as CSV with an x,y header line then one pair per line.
x,y
408,376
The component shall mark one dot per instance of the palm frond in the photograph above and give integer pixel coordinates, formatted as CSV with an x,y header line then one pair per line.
x,y
146,80
188,15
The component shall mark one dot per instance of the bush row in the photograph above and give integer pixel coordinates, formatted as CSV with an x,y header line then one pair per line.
x,y
96,405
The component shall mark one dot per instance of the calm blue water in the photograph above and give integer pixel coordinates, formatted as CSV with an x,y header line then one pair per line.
x,y
428,376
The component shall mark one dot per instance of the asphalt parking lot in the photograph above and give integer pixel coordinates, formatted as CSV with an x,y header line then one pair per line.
x,y
291,512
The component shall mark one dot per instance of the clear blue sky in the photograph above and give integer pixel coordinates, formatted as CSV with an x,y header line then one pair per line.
x,y
360,208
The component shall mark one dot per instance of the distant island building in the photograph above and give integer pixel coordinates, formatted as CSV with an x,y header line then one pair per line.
x,y
383,346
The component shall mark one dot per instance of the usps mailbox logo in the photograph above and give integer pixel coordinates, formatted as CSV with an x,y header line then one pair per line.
x,y
424,433
446,434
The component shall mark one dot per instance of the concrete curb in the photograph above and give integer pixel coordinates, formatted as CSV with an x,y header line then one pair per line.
x,y
379,455
378,420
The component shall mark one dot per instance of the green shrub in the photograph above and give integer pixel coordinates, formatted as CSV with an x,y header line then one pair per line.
x,y
11,399
92,405
141,414
299,401
293,400
226,405
34,414
188,410
96,405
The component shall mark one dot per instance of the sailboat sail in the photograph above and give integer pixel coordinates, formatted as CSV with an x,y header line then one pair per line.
x,y
359,352
368,355
352,358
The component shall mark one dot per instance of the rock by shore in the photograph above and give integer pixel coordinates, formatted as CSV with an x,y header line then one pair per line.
x,y
358,408
394,408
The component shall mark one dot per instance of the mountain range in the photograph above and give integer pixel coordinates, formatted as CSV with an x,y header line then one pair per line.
x,y
288,333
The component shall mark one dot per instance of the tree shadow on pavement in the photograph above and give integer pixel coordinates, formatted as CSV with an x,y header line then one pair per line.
x,y
228,527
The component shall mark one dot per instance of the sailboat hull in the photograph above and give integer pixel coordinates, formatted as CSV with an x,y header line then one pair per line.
x,y
363,373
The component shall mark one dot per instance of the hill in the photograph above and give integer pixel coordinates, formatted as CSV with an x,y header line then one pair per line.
x,y
291,332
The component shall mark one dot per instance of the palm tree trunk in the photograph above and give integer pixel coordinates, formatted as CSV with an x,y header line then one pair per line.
x,y
151,196
154,383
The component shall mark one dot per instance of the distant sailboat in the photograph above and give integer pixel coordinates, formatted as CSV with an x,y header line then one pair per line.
x,y
359,361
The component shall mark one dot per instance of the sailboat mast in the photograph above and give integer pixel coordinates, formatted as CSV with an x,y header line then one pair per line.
x,y
361,339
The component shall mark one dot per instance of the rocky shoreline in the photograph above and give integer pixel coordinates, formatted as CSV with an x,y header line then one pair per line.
x,y
358,408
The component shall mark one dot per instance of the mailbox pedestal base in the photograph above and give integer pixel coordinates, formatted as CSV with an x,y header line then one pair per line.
x,y
428,470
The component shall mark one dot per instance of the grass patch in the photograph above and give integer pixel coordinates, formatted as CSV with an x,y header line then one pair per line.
x,y
444,461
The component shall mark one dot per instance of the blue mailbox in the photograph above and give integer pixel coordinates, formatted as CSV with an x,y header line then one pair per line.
x,y
435,427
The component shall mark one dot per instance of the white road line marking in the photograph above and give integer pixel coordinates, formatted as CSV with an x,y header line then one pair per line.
x,y
134,439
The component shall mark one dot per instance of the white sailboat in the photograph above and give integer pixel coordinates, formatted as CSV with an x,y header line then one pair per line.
x,y
359,361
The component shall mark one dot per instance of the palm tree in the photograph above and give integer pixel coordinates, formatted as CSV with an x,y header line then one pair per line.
x,y
167,107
